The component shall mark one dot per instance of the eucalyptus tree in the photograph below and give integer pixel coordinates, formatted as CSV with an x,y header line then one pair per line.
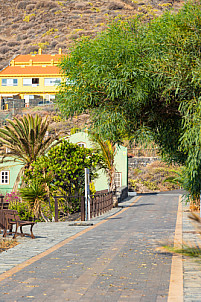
x,y
26,140
142,74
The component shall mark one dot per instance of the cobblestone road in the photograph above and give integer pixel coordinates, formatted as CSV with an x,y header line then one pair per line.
x,y
115,261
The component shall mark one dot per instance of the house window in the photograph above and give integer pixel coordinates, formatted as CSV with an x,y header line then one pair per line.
x,y
117,179
52,81
9,82
52,97
82,145
34,82
4,177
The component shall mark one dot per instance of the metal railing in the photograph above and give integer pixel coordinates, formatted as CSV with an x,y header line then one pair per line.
x,y
99,204
65,205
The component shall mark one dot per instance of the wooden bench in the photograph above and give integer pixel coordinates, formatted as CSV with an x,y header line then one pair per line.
x,y
12,219
3,224
3,204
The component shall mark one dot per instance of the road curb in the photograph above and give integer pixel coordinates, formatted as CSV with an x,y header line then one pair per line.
x,y
176,277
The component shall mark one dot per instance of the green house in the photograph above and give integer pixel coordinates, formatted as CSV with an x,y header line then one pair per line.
x,y
121,163
10,170
8,173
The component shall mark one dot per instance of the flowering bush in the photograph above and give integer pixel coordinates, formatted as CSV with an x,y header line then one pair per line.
x,y
16,203
13,197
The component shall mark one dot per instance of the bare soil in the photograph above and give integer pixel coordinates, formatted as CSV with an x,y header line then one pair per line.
x,y
155,177
50,24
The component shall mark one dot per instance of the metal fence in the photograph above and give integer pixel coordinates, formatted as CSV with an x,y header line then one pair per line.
x,y
66,205
99,204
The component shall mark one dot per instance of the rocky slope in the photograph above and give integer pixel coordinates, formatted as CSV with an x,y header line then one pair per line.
x,y
27,25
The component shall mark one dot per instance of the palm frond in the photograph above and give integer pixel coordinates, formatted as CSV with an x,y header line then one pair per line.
x,y
25,137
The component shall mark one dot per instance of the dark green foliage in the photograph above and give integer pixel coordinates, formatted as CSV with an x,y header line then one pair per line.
x,y
65,164
136,75
23,210
34,194
62,172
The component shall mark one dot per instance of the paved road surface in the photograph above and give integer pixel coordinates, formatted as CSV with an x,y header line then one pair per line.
x,y
115,261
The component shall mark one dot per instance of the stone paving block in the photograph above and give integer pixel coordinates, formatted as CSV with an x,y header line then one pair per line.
x,y
192,268
134,270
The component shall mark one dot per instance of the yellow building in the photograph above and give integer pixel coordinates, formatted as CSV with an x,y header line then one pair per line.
x,y
31,75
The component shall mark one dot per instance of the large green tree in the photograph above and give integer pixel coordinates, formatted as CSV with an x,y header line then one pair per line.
x,y
61,172
141,74
65,164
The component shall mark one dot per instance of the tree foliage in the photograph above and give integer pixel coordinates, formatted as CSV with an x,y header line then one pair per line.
x,y
65,164
138,74
34,194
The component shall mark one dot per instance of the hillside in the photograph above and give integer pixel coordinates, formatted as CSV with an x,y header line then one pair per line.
x,y
27,25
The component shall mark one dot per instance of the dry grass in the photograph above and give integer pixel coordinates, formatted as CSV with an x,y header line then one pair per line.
x,y
187,249
6,244
154,177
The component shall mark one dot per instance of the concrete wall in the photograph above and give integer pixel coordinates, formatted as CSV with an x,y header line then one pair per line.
x,y
137,162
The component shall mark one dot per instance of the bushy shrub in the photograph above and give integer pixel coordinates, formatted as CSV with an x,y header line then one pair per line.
x,y
23,210
26,27
53,44
80,5
115,6
4,49
27,41
45,4
14,26
13,197
17,19
30,7
22,5
13,43
74,37
15,203
32,48
62,46
19,38
8,23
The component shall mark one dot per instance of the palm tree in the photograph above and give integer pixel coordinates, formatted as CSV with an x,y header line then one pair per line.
x,y
108,151
26,140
